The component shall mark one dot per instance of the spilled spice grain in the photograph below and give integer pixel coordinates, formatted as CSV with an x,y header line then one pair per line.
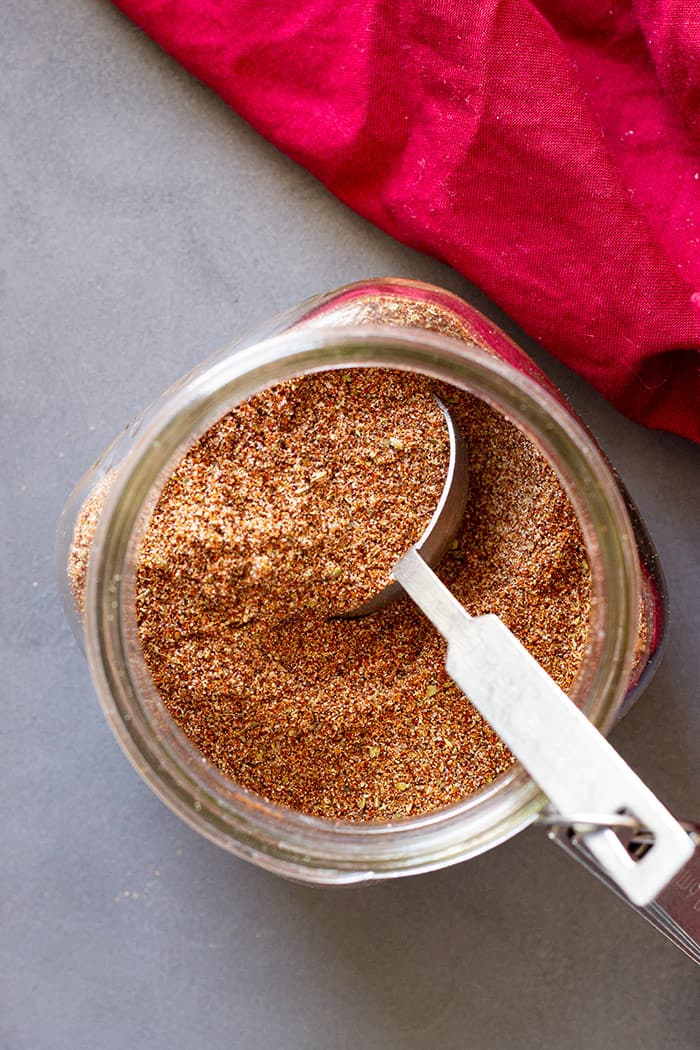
x,y
348,719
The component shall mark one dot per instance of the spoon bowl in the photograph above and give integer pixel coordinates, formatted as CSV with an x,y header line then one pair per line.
x,y
442,527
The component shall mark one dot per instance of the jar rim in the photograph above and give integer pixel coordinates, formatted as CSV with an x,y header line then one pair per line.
x,y
286,841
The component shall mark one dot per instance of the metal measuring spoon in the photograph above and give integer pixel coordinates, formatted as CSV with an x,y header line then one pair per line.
x,y
570,760
442,527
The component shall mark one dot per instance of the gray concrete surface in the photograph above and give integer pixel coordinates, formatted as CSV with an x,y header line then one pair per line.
x,y
143,224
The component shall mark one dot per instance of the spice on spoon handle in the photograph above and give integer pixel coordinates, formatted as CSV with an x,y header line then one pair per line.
x,y
564,753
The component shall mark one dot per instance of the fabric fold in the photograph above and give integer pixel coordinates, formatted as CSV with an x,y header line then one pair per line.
x,y
545,150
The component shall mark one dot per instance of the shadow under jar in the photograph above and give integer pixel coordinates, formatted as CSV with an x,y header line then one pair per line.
x,y
386,323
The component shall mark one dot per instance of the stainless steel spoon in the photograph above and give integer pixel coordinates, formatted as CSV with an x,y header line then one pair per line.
x,y
442,527
570,760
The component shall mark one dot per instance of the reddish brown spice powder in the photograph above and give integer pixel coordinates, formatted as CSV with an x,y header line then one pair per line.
x,y
300,499
83,536
293,508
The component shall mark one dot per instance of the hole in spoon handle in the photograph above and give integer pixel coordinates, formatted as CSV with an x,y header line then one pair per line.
x,y
562,751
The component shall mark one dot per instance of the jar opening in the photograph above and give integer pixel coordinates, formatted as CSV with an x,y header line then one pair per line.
x,y
285,840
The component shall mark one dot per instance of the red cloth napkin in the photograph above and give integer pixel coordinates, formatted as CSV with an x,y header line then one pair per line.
x,y
549,151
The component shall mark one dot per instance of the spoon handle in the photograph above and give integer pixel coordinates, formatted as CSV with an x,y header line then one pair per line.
x,y
570,760
675,911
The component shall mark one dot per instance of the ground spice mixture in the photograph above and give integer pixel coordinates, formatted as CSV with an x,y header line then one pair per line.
x,y
83,536
298,501
259,538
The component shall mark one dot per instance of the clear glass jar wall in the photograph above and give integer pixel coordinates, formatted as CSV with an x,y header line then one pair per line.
x,y
385,323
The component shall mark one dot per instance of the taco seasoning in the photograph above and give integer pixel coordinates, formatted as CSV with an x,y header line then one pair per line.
x,y
291,509
214,596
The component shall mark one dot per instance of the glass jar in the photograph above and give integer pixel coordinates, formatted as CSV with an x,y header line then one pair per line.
x,y
383,323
